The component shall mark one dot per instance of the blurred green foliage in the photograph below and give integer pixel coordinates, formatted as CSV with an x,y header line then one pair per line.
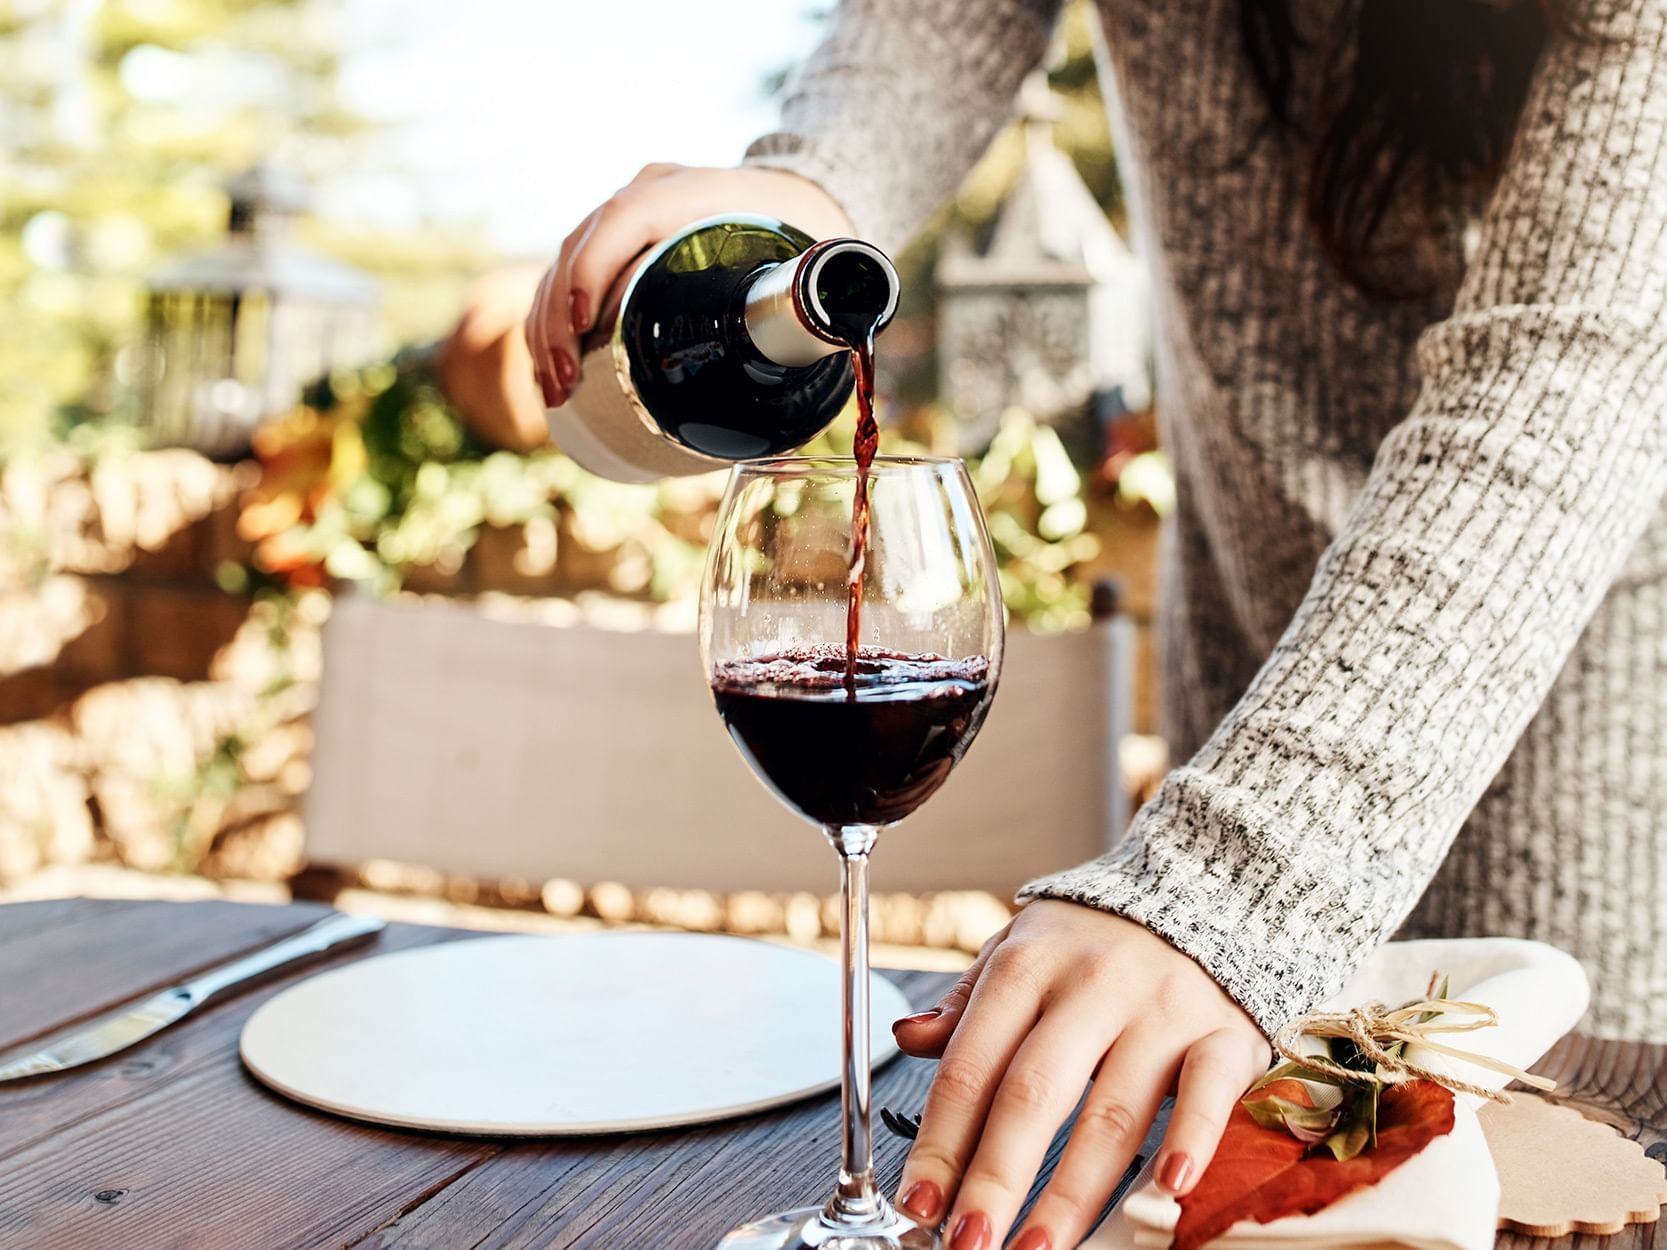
x,y
379,477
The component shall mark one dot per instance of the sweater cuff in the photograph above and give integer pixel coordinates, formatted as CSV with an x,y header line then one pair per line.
x,y
870,217
1203,870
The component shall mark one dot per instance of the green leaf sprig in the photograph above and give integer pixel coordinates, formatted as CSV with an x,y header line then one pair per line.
x,y
1348,1126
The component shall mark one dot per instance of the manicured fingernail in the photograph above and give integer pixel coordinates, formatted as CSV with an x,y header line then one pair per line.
x,y
1175,1172
920,1017
578,312
1034,1239
564,367
545,389
972,1232
924,1200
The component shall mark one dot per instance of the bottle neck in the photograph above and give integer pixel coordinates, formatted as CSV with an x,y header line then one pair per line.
x,y
824,300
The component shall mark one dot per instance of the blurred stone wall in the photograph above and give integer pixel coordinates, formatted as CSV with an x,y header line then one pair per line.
x,y
151,717
130,679
111,573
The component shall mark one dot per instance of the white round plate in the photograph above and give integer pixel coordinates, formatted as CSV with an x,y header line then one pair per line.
x,y
582,1033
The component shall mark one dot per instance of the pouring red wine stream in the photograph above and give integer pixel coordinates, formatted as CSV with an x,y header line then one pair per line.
x,y
866,444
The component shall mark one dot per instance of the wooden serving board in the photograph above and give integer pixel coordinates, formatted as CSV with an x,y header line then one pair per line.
x,y
1561,1173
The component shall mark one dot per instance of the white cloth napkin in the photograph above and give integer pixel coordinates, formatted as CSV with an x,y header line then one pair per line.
x,y
1447,1196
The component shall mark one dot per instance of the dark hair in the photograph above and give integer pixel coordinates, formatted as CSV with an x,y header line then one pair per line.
x,y
1420,98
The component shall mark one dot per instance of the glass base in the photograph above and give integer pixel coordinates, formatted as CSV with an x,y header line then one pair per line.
x,y
805,1229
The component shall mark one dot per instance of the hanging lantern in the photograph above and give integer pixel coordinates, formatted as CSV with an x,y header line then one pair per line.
x,y
1050,316
234,334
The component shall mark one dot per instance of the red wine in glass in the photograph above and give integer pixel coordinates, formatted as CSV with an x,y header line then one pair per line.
x,y
859,739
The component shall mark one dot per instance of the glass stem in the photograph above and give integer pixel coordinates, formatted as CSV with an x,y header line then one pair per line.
x,y
856,1200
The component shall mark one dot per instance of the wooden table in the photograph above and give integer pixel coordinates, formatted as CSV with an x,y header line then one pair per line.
x,y
173,1145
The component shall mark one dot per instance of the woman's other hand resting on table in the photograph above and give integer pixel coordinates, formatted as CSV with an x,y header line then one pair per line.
x,y
1062,996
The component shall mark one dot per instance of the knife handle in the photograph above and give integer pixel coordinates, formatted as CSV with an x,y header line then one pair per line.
x,y
328,934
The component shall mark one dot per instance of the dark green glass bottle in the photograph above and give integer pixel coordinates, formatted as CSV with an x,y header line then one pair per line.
x,y
730,341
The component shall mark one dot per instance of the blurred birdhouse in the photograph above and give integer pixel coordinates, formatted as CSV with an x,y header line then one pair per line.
x,y
235,333
1051,314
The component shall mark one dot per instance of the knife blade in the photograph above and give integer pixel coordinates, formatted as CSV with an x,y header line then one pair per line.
x,y
134,1025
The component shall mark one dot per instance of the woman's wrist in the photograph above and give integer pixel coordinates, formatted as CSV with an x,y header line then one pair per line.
x,y
1261,909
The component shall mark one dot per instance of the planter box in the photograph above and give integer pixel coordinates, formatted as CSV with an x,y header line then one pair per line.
x,y
510,749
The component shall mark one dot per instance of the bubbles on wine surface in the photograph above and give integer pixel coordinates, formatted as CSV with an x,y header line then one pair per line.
x,y
802,672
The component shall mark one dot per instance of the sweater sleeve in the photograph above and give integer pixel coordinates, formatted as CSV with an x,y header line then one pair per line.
x,y
900,99
1494,518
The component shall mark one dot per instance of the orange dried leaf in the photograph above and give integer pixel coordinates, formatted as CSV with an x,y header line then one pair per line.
x,y
1286,1094
1265,1174
1288,1088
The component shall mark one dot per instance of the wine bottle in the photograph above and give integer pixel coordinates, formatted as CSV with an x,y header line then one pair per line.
x,y
731,340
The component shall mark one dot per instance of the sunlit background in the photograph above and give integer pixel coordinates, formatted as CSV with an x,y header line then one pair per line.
x,y
232,233
434,138
541,110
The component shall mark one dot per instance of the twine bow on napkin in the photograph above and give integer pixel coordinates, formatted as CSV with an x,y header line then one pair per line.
x,y
1518,997
1412,1024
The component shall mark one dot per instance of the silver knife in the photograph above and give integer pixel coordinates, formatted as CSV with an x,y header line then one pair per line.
x,y
163,1009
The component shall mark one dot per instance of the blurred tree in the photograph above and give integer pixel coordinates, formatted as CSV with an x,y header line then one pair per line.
x,y
122,120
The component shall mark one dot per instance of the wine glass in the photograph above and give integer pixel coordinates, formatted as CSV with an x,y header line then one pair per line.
x,y
851,747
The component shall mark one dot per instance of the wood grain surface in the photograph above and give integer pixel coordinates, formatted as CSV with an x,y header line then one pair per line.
x,y
172,1144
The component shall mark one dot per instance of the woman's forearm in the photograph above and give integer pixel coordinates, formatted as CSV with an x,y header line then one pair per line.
x,y
1496,516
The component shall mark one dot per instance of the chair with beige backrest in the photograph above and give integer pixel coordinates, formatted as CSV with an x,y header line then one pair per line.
x,y
514,748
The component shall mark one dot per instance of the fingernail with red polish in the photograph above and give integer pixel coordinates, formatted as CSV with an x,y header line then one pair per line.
x,y
972,1232
920,1017
924,1200
578,312
1175,1172
1034,1239
564,367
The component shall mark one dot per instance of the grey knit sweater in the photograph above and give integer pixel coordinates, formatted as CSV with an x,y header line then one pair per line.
x,y
1416,602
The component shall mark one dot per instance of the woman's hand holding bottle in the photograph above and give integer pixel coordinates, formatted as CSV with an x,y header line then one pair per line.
x,y
659,201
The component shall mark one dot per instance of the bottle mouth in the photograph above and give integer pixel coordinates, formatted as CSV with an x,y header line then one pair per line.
x,y
835,294
847,289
